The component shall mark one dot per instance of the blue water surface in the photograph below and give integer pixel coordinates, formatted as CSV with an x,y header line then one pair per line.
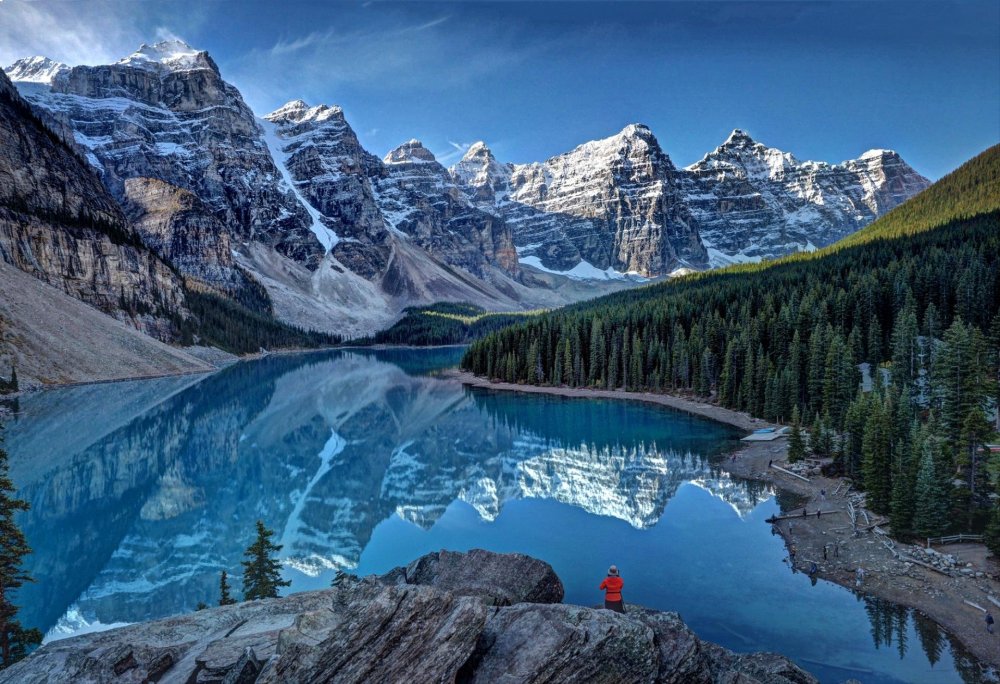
x,y
143,492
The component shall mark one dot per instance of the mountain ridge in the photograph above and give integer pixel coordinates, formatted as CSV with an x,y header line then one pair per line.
x,y
344,241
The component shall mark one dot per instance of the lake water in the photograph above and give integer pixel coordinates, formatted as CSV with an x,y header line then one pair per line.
x,y
142,492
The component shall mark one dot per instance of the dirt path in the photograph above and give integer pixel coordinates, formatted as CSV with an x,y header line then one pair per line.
x,y
940,597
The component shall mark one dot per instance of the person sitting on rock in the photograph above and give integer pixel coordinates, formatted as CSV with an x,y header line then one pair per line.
x,y
612,587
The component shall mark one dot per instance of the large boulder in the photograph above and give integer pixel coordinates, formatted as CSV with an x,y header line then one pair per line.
x,y
447,617
501,579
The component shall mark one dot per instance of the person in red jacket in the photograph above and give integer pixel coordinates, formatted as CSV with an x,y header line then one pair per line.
x,y
612,586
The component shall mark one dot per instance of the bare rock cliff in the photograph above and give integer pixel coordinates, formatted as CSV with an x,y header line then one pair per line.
x,y
58,223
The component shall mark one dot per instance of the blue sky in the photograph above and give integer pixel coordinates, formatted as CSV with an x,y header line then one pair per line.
x,y
823,80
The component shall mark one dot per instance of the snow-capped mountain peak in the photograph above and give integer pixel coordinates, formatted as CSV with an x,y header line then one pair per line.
x,y
478,151
739,137
35,70
174,55
745,157
879,154
410,152
754,202
297,111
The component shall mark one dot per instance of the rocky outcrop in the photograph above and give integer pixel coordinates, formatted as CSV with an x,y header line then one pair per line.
x,y
755,202
59,224
434,628
501,580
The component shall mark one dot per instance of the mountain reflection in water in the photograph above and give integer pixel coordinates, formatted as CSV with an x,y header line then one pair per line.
x,y
142,492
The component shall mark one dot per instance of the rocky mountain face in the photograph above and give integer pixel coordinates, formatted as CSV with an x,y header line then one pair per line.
x,y
472,617
340,240
363,202
621,204
165,112
59,224
754,202
614,203
419,198
343,241
178,227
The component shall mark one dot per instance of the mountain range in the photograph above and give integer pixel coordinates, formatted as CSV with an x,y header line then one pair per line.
x,y
289,215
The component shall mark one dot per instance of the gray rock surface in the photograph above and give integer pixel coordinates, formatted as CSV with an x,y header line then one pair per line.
x,y
614,203
502,580
755,202
165,112
179,228
59,224
434,628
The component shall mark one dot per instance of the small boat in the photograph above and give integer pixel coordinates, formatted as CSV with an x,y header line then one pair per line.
x,y
763,431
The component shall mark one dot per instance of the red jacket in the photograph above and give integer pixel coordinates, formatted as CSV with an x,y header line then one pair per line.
x,y
613,588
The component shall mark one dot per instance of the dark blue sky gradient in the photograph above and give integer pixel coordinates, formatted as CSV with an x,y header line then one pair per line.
x,y
823,80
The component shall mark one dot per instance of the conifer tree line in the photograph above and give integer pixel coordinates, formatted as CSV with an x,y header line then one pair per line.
x,y
789,342
16,641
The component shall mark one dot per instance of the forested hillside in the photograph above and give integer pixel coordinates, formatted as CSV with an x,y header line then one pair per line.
x,y
446,323
916,298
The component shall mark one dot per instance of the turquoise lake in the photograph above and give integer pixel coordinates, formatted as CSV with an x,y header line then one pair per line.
x,y
142,492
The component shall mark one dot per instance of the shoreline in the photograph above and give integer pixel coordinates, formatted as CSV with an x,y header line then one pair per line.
x,y
253,356
736,419
939,597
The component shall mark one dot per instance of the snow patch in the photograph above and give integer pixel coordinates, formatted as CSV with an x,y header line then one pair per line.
x,y
326,237
582,271
294,526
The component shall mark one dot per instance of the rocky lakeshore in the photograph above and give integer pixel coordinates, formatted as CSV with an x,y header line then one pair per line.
x,y
952,585
446,617
963,574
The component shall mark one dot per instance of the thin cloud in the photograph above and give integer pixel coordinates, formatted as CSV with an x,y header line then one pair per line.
x,y
67,32
386,54
457,151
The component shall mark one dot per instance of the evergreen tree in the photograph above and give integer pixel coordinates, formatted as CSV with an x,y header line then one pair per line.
x,y
975,430
796,447
261,571
340,578
903,488
930,516
993,338
876,458
15,641
224,597
905,350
